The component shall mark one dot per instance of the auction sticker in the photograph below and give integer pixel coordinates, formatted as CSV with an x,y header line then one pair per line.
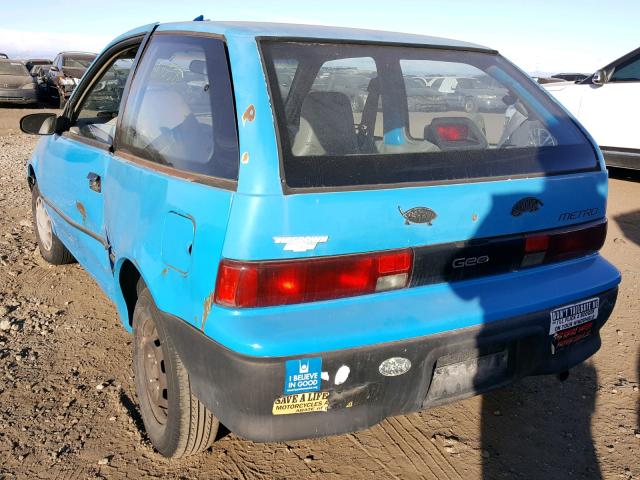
x,y
570,316
301,403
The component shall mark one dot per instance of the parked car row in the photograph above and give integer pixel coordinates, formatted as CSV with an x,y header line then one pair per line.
x,y
424,93
42,80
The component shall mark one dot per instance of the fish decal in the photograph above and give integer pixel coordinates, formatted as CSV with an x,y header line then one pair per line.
x,y
418,215
526,204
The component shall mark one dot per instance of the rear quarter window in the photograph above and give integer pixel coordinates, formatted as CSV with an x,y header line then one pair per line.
x,y
180,110
369,115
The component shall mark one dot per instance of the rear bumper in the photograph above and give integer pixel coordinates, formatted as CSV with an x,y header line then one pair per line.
x,y
241,390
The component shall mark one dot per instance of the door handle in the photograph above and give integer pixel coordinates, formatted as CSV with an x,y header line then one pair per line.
x,y
95,183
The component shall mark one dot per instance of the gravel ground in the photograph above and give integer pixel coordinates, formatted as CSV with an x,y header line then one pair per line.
x,y
68,407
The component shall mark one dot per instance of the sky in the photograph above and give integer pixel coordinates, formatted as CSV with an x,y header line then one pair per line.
x,y
540,36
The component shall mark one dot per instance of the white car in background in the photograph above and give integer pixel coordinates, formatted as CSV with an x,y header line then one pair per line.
x,y
608,103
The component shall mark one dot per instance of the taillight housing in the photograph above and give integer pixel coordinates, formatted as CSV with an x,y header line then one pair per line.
x,y
564,245
270,283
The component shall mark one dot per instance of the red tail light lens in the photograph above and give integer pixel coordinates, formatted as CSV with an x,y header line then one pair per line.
x,y
536,243
576,243
261,284
555,247
452,132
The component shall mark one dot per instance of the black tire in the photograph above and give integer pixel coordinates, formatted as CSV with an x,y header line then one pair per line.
x,y
51,248
470,105
177,423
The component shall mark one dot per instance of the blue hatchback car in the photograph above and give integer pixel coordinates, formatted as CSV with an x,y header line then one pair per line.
x,y
294,263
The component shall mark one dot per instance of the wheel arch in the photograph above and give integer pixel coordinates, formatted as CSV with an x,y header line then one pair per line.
x,y
31,176
129,281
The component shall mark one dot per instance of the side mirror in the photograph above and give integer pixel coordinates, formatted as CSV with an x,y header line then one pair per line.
x,y
54,68
39,124
599,78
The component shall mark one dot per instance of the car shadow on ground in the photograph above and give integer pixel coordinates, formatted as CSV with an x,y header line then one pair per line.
x,y
629,223
539,427
134,413
553,437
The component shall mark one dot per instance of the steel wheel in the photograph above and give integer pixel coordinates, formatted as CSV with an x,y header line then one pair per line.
x,y
154,371
43,224
177,423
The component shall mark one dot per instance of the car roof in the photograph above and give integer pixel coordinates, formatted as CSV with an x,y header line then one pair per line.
x,y
289,30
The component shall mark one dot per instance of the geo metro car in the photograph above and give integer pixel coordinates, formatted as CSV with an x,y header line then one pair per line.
x,y
293,263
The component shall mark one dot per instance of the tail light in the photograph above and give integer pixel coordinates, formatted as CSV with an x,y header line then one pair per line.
x,y
558,246
261,284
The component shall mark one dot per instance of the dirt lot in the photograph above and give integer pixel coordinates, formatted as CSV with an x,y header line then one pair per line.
x,y
68,407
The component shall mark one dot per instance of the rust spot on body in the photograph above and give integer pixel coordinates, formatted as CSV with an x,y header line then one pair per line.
x,y
206,307
245,158
164,272
249,114
83,212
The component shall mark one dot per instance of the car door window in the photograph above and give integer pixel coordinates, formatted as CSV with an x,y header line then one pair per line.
x,y
98,113
627,72
180,110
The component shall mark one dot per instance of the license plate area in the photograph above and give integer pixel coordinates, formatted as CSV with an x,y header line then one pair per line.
x,y
468,372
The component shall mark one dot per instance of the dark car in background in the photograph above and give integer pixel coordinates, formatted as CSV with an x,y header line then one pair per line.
x,y
421,98
32,62
480,94
4,55
16,84
65,73
470,93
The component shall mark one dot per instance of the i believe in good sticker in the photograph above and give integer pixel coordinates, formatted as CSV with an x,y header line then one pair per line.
x,y
303,375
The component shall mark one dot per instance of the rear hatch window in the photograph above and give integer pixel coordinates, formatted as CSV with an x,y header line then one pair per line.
x,y
365,115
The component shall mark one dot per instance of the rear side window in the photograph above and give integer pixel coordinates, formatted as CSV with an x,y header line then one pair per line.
x,y
180,110
370,114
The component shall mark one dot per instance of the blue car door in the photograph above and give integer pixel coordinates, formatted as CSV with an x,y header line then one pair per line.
x,y
173,176
72,175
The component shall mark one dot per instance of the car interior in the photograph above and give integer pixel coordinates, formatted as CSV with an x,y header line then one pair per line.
x,y
383,118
